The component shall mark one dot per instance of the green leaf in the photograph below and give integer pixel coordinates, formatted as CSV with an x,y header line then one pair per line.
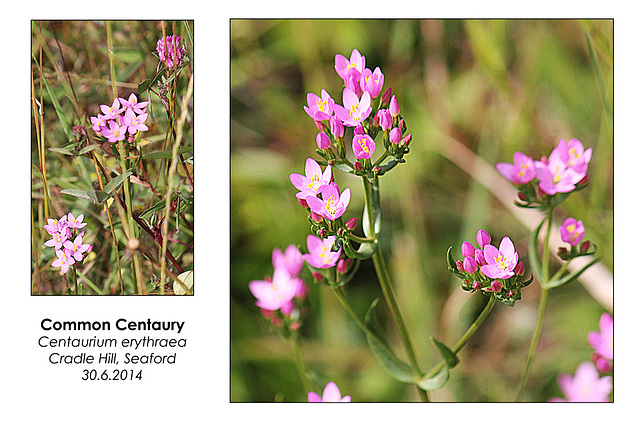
x,y
451,263
88,148
447,354
569,277
158,206
116,183
62,151
81,194
389,361
155,155
435,382
534,258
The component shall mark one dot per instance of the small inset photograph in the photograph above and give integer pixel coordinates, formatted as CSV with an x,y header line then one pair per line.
x,y
112,158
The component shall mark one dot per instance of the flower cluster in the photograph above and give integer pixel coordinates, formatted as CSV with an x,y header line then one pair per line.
x,y
493,270
171,51
279,296
66,239
124,118
563,172
331,393
587,385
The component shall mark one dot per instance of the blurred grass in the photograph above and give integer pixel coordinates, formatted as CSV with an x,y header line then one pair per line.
x,y
494,86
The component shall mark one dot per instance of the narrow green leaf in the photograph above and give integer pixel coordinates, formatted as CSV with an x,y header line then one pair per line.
x,y
447,354
81,194
65,151
156,155
155,208
389,361
88,148
435,382
569,277
534,258
116,182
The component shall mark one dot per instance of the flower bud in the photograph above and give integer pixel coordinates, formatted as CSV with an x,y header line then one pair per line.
x,y
496,286
343,265
470,264
287,307
479,256
406,140
386,96
315,217
358,129
395,136
483,238
376,170
303,203
509,294
322,233
519,270
319,125
323,141
317,276
358,166
460,266
351,224
468,249
476,285
394,107
384,119
337,128
584,247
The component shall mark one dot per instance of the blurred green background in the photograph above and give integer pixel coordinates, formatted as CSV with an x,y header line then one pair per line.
x,y
470,91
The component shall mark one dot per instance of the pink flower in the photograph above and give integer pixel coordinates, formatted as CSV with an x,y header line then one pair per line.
x,y
319,108
572,231
331,393
55,225
313,181
274,294
562,171
76,247
500,262
521,171
323,141
602,341
363,146
372,82
332,204
290,260
585,386
58,238
352,67
64,260
574,155
355,109
483,238
133,104
112,112
114,132
134,123
174,51
320,254
98,123
74,222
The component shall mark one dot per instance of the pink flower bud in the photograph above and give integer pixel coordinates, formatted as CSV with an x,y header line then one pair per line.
x,y
476,285
395,136
394,107
294,326
519,270
358,129
358,166
460,266
406,140
468,249
316,217
386,96
303,203
343,265
479,256
509,294
318,125
483,238
337,128
323,141
287,307
496,286
384,119
470,264
351,224
584,247
317,276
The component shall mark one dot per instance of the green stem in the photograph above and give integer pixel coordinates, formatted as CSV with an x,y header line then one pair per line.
x,y
470,331
387,290
297,357
542,307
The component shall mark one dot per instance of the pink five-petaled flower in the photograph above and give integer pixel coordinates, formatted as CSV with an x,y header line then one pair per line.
x,y
557,175
602,341
572,231
574,155
313,182
274,294
521,171
114,132
99,122
319,107
112,112
331,393
58,238
500,262
363,146
55,225
585,386
372,82
291,260
355,109
74,222
320,254
133,104
333,204
77,247
135,123
64,260
352,67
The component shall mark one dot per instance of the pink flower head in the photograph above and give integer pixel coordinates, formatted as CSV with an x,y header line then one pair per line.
x,y
319,107
320,254
99,122
314,181
602,341
114,132
173,53
500,262
372,82
331,393
134,123
133,104
521,171
352,67
274,294
363,146
291,260
76,247
332,204
572,231
74,222
585,386
355,109
574,155
555,175
58,238
64,260
112,112
55,225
